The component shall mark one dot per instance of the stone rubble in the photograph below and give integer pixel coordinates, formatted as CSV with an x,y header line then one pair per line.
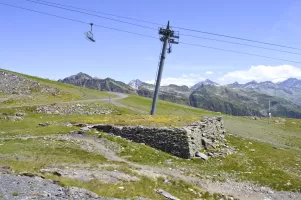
x,y
11,118
79,109
166,195
11,84
202,155
18,187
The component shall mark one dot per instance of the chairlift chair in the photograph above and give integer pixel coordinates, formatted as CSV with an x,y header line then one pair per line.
x,y
89,34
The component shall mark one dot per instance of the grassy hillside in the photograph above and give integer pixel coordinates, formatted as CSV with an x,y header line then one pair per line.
x,y
259,150
268,154
164,107
65,93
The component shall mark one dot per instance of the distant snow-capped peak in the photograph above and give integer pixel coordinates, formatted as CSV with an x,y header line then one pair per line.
x,y
205,82
135,84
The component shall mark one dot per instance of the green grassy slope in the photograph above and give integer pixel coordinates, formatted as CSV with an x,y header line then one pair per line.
x,y
257,160
268,154
67,93
164,108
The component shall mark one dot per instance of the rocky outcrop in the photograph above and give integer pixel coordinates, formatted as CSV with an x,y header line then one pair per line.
x,y
11,84
20,187
108,84
206,135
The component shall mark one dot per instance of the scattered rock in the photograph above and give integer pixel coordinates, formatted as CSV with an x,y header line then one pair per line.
x,y
78,109
44,124
12,84
27,174
86,175
81,125
201,155
19,114
85,129
14,118
43,189
166,195
210,154
67,124
5,170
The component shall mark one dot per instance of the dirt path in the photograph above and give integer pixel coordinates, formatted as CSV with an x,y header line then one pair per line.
x,y
241,190
109,100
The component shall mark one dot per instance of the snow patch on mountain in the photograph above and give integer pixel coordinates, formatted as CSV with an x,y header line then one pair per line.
x,y
205,82
135,84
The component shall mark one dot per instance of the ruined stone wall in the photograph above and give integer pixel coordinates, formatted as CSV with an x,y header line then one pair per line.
x,y
170,140
182,142
207,135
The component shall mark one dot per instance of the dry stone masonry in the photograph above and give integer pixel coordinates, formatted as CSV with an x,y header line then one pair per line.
x,y
206,136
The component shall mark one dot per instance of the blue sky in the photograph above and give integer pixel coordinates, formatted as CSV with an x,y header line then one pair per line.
x,y
55,48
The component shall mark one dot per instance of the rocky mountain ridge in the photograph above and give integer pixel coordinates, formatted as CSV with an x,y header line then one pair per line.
x,y
289,89
108,84
251,98
205,82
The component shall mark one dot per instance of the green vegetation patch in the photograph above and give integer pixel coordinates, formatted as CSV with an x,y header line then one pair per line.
x,y
67,92
127,119
29,126
163,107
262,163
254,161
144,188
33,154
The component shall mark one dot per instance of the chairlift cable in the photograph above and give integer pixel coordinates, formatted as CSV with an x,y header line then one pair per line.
x,y
153,37
237,43
78,21
182,28
85,13
238,52
113,15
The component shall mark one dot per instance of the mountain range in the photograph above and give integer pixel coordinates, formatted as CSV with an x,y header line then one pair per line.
x,y
253,98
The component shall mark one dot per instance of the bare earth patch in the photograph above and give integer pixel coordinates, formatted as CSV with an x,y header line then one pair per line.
x,y
87,175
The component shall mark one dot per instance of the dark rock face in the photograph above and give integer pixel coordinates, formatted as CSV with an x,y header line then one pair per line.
x,y
182,142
